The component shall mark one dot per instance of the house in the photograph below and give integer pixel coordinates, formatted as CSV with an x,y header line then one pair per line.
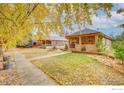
x,y
53,41
85,40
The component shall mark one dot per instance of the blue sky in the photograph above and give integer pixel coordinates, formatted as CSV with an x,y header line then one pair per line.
x,y
109,25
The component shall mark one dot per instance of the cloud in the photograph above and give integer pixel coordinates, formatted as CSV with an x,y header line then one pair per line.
x,y
117,17
104,22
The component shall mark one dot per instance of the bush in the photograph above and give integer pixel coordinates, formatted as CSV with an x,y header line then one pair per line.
x,y
119,52
43,46
66,47
100,46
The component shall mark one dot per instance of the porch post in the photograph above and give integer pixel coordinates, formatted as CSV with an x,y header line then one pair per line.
x,y
69,43
80,42
96,38
45,42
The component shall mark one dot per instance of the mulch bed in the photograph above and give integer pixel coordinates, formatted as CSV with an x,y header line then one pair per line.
x,y
106,59
109,62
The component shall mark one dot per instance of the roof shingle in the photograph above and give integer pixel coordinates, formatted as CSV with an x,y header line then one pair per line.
x,y
84,31
88,31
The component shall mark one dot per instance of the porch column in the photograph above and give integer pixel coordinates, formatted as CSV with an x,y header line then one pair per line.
x,y
96,38
80,42
45,42
69,42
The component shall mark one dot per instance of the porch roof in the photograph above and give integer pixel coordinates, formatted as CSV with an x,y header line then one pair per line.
x,y
84,31
59,38
87,31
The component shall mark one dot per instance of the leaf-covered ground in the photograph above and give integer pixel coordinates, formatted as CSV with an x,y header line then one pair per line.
x,y
10,77
79,69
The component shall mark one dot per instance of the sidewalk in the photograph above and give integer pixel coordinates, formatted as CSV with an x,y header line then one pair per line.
x,y
31,74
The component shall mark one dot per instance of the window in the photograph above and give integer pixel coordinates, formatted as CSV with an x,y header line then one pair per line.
x,y
88,40
74,40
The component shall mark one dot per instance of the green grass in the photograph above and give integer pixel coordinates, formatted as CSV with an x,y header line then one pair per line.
x,y
34,53
79,69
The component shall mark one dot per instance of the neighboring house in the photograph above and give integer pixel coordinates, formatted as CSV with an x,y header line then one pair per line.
x,y
53,41
85,40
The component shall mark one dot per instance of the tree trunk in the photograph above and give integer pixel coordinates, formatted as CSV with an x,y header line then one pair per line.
x,y
1,53
1,58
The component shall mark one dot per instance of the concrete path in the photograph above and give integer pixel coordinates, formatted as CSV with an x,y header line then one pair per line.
x,y
51,55
30,73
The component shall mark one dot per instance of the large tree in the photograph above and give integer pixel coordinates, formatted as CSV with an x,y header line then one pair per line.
x,y
17,20
75,13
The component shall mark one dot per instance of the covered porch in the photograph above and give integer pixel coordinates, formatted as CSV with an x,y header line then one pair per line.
x,y
47,42
83,43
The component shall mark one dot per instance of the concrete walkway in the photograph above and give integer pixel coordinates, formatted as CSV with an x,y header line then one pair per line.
x,y
31,74
51,55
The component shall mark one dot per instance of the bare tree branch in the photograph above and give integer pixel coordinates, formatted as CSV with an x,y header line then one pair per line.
x,y
27,16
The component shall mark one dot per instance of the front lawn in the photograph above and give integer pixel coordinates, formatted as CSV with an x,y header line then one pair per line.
x,y
33,52
79,69
36,52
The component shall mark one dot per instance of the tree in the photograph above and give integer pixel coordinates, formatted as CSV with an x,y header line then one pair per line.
x,y
121,11
17,20
118,45
118,40
99,44
119,52
80,14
